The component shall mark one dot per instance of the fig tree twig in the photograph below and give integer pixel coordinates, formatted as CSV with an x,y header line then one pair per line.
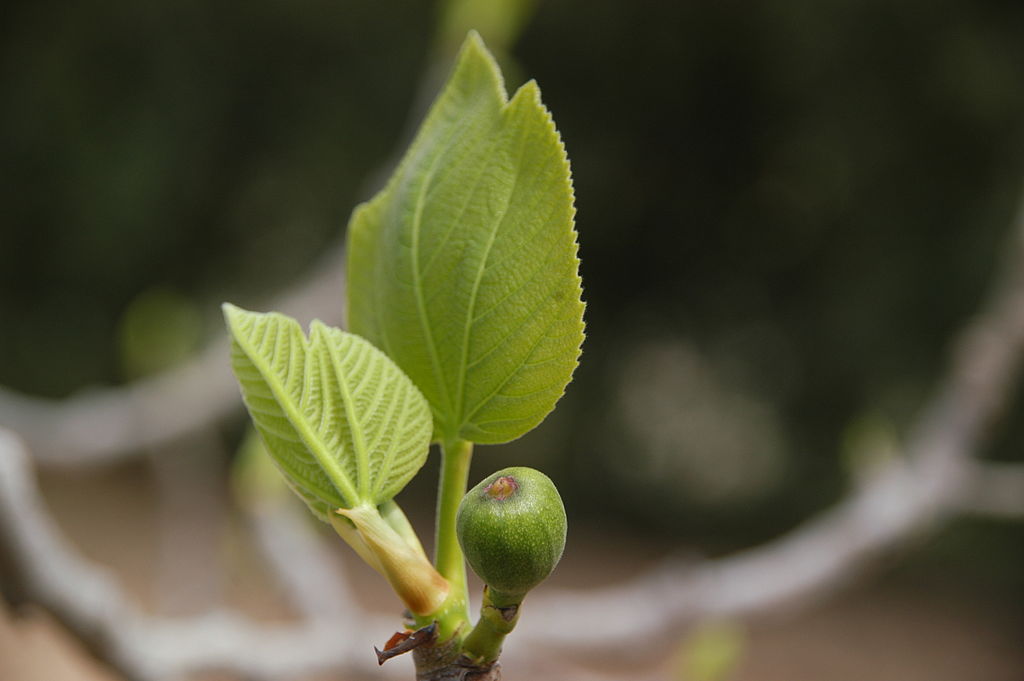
x,y
91,602
301,561
996,490
111,423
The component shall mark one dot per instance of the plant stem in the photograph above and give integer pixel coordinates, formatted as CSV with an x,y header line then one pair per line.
x,y
448,559
443,662
498,617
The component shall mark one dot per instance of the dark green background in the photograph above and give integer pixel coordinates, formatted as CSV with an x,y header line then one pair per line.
x,y
812,195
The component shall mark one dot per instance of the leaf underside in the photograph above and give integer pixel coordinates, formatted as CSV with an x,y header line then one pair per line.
x,y
464,269
341,421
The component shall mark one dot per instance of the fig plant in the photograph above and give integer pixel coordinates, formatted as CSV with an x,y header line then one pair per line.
x,y
465,323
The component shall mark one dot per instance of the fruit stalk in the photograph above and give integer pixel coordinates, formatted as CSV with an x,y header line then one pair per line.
x,y
483,645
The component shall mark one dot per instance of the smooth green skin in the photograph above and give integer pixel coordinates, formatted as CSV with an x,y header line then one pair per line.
x,y
513,544
464,268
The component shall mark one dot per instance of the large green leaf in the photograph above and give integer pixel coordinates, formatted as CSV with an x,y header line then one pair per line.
x,y
343,423
464,268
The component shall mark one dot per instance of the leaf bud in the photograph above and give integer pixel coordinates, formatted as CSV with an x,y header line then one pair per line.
x,y
403,564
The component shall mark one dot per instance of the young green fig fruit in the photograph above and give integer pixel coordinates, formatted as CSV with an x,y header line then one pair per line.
x,y
512,529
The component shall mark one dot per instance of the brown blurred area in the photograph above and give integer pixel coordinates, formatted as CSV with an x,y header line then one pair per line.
x,y
899,627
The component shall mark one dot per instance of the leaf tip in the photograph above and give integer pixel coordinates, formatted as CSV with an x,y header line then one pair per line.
x,y
474,45
474,55
317,327
473,36
233,315
530,89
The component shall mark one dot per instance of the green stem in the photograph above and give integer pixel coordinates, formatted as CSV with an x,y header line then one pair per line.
x,y
498,616
455,458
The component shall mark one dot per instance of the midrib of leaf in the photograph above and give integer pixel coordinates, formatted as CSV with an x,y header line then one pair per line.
x,y
421,197
458,216
298,421
285,465
471,308
354,426
421,307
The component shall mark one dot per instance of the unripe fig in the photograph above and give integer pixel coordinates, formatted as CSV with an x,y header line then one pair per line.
x,y
512,529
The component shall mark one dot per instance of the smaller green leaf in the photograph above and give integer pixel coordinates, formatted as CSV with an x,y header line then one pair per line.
x,y
346,427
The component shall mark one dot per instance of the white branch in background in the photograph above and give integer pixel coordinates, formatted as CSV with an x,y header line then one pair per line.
x,y
190,515
106,424
92,603
910,495
907,496
306,570
996,490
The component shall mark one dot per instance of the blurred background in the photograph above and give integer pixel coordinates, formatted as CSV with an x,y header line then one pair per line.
x,y
786,210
